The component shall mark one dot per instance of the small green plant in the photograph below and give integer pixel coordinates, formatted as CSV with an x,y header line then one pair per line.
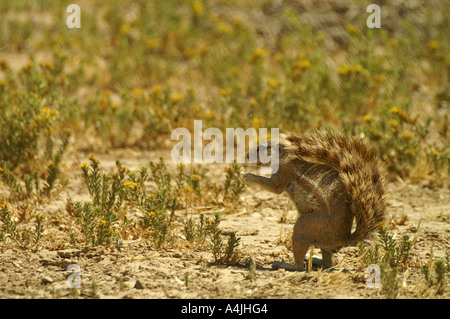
x,y
222,254
389,281
93,292
160,174
234,183
98,218
440,162
216,242
39,228
435,275
38,183
189,230
187,276
74,293
8,224
209,228
387,250
180,178
197,231
32,107
159,207
156,217
232,244
10,229
396,254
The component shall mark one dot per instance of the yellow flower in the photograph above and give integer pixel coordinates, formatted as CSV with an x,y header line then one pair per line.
x,y
210,114
407,136
106,93
137,91
46,111
40,216
127,184
257,122
393,123
394,110
367,118
84,165
197,7
304,64
102,221
351,28
278,57
402,114
28,66
357,68
257,53
435,153
156,89
93,158
131,185
253,101
46,65
196,177
110,231
125,29
49,113
272,82
4,205
343,69
433,45
176,97
226,92
223,27
380,78
188,189
151,214
152,43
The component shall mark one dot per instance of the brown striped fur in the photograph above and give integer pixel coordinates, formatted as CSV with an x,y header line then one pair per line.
x,y
332,179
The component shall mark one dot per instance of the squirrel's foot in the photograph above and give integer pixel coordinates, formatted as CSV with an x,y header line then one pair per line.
x,y
289,267
317,262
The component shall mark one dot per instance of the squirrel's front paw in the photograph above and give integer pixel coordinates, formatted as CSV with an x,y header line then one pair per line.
x,y
248,178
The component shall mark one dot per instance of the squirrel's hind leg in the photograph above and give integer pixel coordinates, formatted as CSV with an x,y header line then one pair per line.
x,y
327,258
300,246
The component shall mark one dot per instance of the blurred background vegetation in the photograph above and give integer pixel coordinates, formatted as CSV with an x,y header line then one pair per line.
x,y
136,70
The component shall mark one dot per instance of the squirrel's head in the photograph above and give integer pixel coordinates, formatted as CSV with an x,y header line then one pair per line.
x,y
267,153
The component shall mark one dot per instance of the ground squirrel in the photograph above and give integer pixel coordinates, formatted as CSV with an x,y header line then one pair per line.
x,y
332,179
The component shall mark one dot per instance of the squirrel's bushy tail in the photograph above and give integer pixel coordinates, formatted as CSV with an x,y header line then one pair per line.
x,y
360,169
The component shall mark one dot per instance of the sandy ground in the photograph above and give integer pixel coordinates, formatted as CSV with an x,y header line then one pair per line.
x,y
136,269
